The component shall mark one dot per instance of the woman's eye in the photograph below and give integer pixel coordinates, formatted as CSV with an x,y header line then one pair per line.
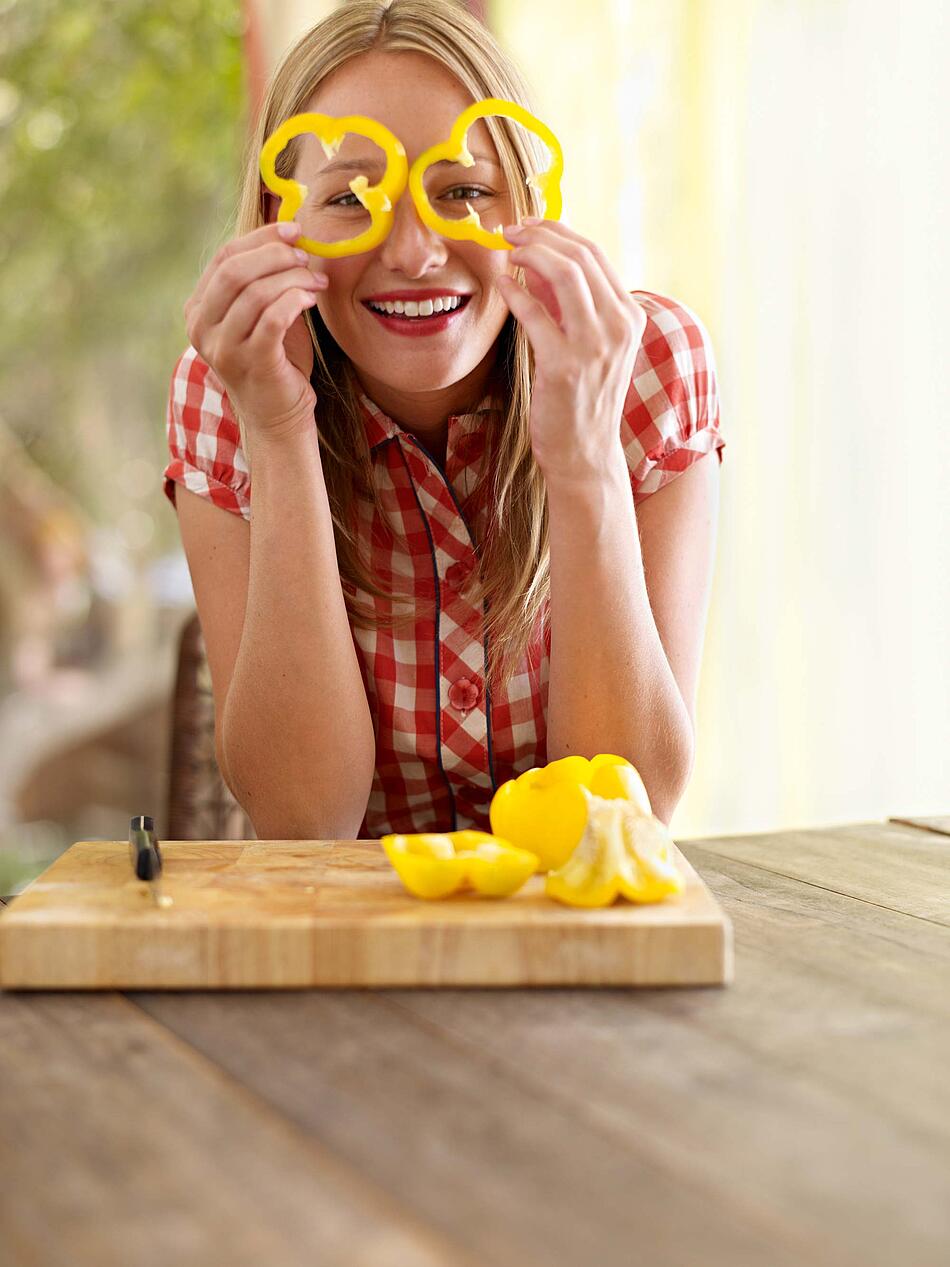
x,y
468,190
465,190
338,202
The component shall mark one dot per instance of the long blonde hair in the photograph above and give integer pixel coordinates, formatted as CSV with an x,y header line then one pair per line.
x,y
513,570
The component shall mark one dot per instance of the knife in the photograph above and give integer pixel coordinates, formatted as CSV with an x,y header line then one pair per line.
x,y
146,856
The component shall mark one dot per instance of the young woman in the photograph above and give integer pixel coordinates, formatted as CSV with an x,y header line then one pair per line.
x,y
474,546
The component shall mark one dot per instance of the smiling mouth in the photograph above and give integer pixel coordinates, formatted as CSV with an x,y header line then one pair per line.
x,y
418,318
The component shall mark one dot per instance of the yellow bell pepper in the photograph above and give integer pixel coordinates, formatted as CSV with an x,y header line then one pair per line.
x,y
380,199
435,864
377,199
544,809
621,852
456,151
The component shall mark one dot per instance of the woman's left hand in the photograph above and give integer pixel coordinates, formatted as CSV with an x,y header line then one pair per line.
x,y
585,330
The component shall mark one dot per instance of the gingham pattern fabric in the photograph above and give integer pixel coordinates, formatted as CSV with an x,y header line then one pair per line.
x,y
443,743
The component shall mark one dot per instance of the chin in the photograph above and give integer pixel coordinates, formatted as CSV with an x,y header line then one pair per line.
x,y
421,381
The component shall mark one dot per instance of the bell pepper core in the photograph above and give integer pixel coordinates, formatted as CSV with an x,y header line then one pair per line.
x,y
435,864
377,199
544,810
621,853
455,150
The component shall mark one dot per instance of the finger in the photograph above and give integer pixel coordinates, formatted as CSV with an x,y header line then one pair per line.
x,y
274,322
244,314
266,234
570,282
602,293
238,271
562,230
546,339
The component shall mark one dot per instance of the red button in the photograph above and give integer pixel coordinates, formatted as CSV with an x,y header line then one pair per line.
x,y
464,694
457,574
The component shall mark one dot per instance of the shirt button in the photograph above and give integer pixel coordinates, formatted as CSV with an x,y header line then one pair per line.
x,y
464,694
456,574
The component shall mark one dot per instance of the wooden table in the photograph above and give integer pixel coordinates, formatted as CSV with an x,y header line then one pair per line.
x,y
799,1116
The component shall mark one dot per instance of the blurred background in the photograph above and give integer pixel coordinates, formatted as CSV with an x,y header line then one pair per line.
x,y
774,165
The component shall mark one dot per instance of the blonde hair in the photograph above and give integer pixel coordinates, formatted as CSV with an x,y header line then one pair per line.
x,y
513,570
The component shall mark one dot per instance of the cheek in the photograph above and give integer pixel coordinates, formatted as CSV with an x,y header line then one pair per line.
x,y
485,267
345,277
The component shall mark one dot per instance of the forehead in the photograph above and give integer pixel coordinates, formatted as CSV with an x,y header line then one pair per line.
x,y
414,96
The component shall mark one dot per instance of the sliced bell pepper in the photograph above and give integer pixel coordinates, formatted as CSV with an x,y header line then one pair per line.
x,y
378,199
435,864
621,853
454,150
544,809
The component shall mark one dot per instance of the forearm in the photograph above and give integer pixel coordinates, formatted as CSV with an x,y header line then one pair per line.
x,y
298,737
611,687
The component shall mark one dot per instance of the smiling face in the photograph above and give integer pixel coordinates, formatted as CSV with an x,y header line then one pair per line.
x,y
444,367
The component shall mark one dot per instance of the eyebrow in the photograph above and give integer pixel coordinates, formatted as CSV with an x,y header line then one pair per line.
x,y
375,163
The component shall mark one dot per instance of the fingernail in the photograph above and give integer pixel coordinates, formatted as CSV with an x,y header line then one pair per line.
x,y
512,230
532,220
289,229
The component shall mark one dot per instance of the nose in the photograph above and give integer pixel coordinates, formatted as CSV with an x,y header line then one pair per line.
x,y
411,247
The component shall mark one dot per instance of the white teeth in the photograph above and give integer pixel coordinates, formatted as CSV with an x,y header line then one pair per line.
x,y
424,309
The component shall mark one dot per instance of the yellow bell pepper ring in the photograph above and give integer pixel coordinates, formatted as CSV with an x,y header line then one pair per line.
x,y
544,810
377,199
548,183
621,853
436,864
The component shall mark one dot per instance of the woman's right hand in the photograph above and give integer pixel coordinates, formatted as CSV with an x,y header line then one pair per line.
x,y
245,319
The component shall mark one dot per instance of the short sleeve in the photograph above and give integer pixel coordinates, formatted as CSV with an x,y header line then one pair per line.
x,y
204,440
671,412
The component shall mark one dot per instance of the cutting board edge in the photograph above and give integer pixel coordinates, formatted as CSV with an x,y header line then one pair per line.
x,y
318,958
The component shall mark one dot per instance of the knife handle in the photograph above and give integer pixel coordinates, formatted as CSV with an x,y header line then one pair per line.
x,y
143,848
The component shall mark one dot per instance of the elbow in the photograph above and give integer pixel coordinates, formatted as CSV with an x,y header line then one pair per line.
x,y
276,814
664,799
284,806
222,760
282,826
314,814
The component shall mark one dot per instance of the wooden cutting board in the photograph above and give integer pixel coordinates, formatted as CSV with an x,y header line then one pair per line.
x,y
298,913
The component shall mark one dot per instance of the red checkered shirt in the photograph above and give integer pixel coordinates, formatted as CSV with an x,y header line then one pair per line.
x,y
443,743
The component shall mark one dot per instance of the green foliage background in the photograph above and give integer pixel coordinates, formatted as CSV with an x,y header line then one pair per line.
x,y
121,123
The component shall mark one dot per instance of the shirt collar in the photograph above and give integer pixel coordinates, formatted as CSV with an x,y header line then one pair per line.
x,y
380,427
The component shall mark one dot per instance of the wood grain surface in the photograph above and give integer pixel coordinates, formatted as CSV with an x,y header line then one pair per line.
x,y
334,913
902,867
125,1146
800,1116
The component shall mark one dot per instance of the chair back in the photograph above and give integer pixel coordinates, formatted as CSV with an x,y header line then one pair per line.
x,y
201,806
